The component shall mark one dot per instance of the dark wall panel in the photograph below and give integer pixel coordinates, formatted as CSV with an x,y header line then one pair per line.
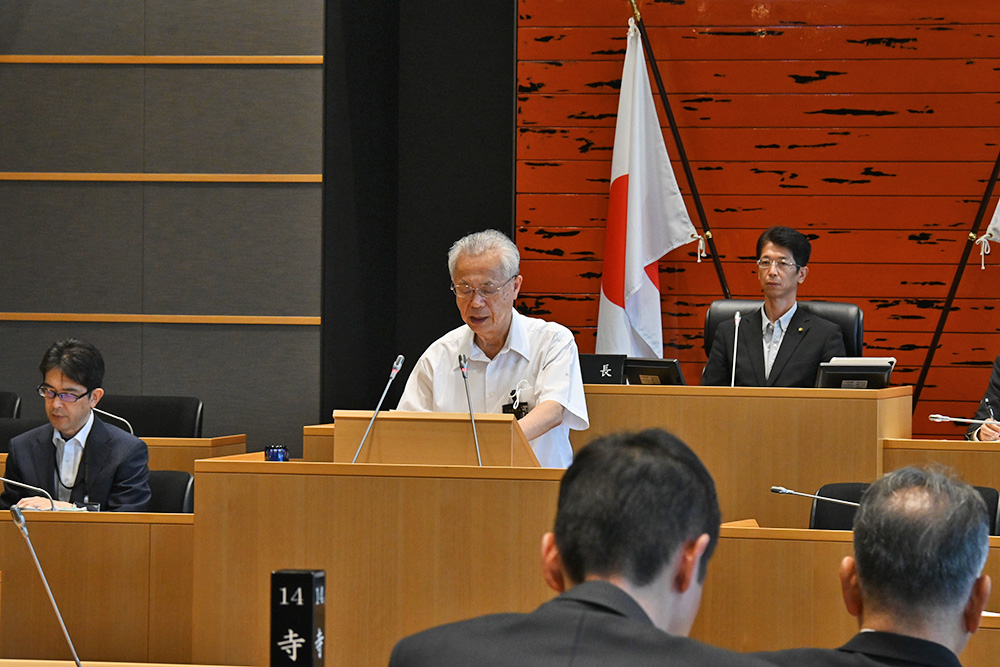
x,y
70,118
233,119
232,249
258,380
429,84
234,27
456,149
57,27
71,247
24,343
359,201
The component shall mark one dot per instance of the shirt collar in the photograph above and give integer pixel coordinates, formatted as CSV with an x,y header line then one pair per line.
x,y
81,435
517,339
782,322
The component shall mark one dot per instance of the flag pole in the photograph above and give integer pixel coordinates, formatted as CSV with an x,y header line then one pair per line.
x,y
681,153
959,271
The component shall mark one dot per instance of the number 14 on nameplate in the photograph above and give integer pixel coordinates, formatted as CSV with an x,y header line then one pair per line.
x,y
298,602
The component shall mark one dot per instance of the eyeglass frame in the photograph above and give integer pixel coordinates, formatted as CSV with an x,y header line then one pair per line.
x,y
479,290
66,397
782,264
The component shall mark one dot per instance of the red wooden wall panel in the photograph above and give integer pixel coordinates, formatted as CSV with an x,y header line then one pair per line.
x,y
872,127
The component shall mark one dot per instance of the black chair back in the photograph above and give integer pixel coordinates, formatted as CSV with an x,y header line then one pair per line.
x,y
10,428
834,516
171,491
992,499
10,405
848,316
155,416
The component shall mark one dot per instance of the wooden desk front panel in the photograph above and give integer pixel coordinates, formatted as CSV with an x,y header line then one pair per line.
x,y
770,589
752,438
404,548
978,463
121,581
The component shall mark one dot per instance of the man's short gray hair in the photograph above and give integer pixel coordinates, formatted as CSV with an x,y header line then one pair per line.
x,y
921,538
479,243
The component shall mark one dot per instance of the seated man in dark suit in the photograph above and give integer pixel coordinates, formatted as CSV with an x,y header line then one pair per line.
x,y
636,522
76,457
915,581
779,345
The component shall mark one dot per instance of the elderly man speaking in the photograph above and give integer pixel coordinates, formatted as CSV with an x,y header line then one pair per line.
x,y
516,364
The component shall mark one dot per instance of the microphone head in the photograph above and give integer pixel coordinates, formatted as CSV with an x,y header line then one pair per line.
x,y
463,364
736,317
15,512
778,489
938,418
396,365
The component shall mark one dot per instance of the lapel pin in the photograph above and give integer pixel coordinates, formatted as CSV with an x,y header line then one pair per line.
x,y
800,329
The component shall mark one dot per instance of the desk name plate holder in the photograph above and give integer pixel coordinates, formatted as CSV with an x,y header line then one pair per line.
x,y
298,611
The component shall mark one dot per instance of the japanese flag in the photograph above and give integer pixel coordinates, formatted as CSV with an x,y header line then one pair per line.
x,y
646,219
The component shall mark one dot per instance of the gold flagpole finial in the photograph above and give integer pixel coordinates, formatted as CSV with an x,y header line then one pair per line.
x,y
635,10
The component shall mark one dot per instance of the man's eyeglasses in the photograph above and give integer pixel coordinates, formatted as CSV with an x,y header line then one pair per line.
x,y
463,291
65,397
783,264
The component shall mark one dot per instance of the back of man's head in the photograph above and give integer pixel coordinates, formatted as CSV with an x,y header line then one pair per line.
x,y
921,539
629,502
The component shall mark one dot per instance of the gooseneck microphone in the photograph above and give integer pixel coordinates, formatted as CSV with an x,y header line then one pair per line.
x,y
957,420
121,419
19,521
463,365
736,338
783,490
37,489
392,376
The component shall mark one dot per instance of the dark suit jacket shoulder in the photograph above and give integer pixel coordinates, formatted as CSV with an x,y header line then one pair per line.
x,y
809,341
595,623
993,394
869,649
114,470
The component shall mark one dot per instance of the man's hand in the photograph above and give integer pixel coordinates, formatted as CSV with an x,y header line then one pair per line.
x,y
990,431
41,503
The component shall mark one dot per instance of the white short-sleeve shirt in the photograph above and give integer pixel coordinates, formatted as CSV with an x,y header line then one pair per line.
x,y
539,357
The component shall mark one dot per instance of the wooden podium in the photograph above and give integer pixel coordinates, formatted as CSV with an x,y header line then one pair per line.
x,y
751,438
430,438
405,547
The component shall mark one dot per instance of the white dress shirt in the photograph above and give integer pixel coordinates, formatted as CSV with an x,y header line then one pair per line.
x,y
69,453
539,357
773,334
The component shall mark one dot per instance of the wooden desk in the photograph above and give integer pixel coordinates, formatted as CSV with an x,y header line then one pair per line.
x,y
752,438
92,663
773,588
122,582
181,453
404,548
978,463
